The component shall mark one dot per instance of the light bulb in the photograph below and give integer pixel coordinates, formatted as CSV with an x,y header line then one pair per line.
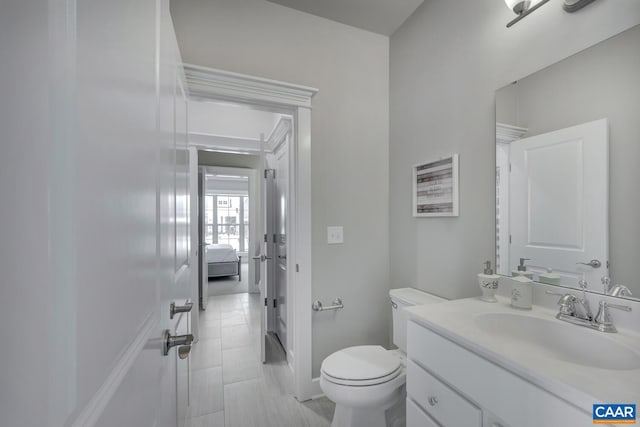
x,y
518,6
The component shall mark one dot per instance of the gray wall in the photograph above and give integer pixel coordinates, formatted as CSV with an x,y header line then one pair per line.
x,y
601,82
350,143
446,62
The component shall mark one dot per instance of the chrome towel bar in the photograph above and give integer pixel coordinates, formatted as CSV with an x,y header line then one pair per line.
x,y
337,304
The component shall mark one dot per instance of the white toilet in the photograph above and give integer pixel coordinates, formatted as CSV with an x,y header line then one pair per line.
x,y
367,382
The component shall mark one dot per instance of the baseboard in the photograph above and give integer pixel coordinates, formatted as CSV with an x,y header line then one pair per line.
x,y
316,391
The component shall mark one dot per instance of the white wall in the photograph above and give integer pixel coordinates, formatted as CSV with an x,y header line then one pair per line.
x,y
446,62
349,137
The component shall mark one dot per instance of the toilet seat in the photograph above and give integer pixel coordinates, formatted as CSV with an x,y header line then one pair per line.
x,y
359,366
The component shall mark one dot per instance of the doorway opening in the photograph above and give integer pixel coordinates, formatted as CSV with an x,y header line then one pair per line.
x,y
244,202
286,251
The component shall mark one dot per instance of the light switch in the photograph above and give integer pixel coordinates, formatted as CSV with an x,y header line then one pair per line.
x,y
335,235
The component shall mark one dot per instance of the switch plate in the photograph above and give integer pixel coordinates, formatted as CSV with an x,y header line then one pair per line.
x,y
335,235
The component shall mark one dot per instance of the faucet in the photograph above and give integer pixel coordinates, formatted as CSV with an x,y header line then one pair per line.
x,y
584,302
570,312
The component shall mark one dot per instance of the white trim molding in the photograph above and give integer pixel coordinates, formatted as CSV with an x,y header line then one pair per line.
x,y
224,143
508,133
218,85
279,133
225,85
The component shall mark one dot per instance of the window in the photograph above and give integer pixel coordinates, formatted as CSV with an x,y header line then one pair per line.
x,y
227,220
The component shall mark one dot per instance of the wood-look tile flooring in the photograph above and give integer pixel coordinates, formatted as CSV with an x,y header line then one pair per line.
x,y
230,385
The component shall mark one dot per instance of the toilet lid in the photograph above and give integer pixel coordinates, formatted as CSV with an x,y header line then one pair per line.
x,y
361,365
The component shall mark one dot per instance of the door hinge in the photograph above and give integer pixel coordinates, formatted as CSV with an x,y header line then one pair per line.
x,y
266,239
265,302
509,166
275,238
275,303
269,173
297,268
509,238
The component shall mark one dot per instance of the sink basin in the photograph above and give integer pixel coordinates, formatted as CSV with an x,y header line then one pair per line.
x,y
558,340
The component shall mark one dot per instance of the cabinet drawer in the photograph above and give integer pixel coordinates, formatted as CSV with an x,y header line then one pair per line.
x,y
416,416
441,402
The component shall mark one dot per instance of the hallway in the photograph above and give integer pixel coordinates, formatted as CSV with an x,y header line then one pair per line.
x,y
230,385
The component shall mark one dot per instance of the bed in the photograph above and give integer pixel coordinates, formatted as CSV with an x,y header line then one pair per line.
x,y
222,260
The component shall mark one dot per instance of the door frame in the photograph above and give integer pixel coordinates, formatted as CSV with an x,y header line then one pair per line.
x,y
212,84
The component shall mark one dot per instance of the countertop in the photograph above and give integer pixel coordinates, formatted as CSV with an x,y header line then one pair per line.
x,y
580,385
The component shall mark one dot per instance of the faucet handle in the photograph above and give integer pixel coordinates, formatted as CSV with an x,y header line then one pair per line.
x,y
603,320
567,304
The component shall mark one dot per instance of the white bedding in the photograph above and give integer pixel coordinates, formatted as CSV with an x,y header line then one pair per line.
x,y
221,253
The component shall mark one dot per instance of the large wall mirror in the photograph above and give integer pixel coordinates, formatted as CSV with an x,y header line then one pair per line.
x,y
568,170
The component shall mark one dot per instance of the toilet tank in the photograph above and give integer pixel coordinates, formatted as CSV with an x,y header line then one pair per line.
x,y
406,297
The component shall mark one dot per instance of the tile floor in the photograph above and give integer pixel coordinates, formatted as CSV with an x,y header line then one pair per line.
x,y
230,385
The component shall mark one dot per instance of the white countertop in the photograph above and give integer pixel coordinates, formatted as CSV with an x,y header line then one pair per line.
x,y
578,384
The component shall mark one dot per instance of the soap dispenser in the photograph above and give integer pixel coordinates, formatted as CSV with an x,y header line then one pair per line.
x,y
521,292
522,270
488,283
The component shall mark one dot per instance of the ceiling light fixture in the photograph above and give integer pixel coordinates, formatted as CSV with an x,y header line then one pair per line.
x,y
523,8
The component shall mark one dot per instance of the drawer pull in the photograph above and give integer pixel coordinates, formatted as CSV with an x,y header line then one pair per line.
x,y
432,401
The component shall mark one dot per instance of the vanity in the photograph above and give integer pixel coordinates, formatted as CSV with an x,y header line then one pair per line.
x,y
471,363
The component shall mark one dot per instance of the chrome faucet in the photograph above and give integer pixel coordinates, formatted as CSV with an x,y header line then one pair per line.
x,y
576,311
584,302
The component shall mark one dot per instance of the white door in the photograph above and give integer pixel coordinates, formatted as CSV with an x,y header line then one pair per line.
x,y
263,257
281,199
559,202
91,224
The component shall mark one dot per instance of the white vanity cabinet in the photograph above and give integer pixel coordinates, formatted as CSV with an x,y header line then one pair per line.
x,y
450,386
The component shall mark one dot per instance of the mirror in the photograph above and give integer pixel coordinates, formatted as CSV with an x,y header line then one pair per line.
x,y
568,170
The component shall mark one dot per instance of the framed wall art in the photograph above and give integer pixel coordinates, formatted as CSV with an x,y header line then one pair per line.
x,y
435,187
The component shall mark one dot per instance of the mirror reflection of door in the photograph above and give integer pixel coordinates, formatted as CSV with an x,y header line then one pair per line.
x,y
558,202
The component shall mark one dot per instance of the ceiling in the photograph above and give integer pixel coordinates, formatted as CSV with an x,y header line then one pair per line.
x,y
230,120
378,16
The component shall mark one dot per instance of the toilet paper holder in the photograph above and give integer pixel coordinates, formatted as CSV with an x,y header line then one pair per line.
x,y
336,305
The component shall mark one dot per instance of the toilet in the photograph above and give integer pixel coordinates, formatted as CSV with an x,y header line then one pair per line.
x,y
367,382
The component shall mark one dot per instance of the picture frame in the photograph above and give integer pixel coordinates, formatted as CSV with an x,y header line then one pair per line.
x,y
436,188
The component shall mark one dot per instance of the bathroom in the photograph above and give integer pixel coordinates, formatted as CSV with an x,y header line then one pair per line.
x,y
387,99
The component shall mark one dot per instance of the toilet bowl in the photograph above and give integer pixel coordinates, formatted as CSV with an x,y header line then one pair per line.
x,y
364,382
367,383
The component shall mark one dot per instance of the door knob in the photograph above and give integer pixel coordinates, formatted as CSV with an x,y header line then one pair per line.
x,y
262,258
593,263
175,309
169,341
